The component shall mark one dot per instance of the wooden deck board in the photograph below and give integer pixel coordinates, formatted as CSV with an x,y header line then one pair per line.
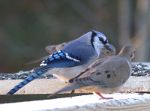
x,y
48,86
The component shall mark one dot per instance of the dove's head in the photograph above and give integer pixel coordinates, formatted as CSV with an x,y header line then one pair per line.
x,y
128,51
105,52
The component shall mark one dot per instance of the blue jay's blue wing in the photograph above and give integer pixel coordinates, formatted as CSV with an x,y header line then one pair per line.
x,y
58,59
61,59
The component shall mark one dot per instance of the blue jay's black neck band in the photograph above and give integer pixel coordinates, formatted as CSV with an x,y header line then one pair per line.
x,y
92,38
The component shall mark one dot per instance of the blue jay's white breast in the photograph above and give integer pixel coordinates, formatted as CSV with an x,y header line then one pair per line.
x,y
65,74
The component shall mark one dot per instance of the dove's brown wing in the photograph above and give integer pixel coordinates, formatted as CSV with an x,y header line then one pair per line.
x,y
36,61
52,48
91,68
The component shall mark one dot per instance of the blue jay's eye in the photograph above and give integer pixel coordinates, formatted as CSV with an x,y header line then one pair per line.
x,y
103,41
106,41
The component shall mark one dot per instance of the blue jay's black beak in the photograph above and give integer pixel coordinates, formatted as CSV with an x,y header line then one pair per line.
x,y
110,48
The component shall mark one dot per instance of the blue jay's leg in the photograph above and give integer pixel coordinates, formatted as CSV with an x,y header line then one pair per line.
x,y
56,60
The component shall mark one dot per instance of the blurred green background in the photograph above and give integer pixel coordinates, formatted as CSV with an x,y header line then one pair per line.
x,y
27,26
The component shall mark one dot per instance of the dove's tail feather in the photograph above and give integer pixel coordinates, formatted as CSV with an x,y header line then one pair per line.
x,y
36,61
36,73
66,88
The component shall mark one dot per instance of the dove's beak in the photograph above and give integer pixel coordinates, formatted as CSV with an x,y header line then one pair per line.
x,y
110,48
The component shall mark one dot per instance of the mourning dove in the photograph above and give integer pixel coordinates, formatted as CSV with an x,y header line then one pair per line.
x,y
104,75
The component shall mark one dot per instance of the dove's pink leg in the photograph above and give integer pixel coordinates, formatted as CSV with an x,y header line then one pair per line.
x,y
101,96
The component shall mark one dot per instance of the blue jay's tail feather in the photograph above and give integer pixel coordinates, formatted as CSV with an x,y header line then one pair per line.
x,y
36,73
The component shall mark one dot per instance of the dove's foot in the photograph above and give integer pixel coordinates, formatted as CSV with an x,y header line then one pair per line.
x,y
72,92
101,96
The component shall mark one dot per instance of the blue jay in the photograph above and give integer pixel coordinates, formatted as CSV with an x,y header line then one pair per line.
x,y
76,54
